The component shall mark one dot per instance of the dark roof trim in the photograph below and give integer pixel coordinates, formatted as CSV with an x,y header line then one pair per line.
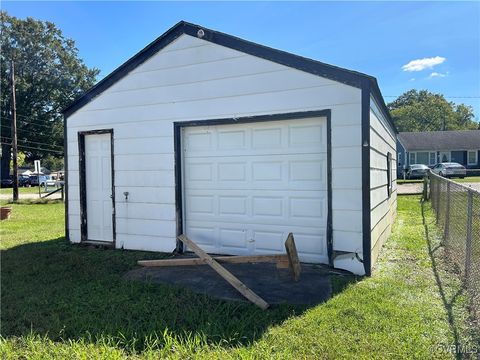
x,y
331,72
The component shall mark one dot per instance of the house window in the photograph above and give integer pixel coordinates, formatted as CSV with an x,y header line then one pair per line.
x,y
433,158
399,157
472,157
422,157
389,174
412,158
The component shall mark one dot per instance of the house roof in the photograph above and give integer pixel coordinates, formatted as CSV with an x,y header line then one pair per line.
x,y
349,77
440,140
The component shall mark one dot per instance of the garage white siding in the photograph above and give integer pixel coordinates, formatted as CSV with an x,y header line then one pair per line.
x,y
193,79
246,186
383,206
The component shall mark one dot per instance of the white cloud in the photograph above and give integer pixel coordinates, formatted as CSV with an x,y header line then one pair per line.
x,y
422,64
412,79
436,74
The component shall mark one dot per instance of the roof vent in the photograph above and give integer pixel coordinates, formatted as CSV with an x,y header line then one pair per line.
x,y
200,33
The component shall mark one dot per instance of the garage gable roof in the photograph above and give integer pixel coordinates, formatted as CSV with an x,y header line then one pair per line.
x,y
440,140
348,77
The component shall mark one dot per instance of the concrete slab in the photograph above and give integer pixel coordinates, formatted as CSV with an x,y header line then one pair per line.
x,y
276,286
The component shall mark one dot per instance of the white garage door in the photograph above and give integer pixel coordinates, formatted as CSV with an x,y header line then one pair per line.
x,y
246,186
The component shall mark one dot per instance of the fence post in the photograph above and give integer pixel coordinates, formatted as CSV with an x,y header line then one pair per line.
x,y
437,201
425,188
468,243
447,214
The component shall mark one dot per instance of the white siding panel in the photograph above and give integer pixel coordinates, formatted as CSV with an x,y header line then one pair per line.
x,y
130,210
144,162
73,193
378,178
145,243
346,114
147,178
188,56
73,180
75,236
346,200
151,145
346,157
347,220
347,135
382,142
73,164
184,42
258,103
347,178
74,208
350,241
157,129
73,222
196,73
270,82
377,196
145,227
145,194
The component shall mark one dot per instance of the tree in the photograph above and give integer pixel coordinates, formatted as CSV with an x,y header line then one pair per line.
x,y
49,74
425,111
20,159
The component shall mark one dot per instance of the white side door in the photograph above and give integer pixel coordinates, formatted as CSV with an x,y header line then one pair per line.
x,y
98,184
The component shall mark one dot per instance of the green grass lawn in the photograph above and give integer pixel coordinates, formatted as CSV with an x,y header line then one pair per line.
x,y
409,181
470,179
64,301
26,190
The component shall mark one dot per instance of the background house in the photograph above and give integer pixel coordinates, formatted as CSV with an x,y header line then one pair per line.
x,y
432,147
236,145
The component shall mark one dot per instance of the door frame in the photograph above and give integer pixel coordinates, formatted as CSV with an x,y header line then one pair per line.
x,y
83,188
177,135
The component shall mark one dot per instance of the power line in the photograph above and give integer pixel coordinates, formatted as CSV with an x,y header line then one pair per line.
x,y
446,97
35,142
35,148
21,130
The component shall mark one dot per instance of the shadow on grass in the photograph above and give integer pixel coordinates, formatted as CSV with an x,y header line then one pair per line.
x,y
448,301
65,291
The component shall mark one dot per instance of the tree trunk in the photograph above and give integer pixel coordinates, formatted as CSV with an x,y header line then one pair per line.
x,y
5,161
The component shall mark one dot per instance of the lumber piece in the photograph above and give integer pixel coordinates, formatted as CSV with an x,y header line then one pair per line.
x,y
221,259
229,277
293,257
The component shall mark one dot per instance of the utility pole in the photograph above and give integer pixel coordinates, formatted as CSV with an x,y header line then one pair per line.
x,y
14,133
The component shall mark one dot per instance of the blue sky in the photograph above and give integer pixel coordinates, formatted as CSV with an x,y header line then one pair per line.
x,y
405,45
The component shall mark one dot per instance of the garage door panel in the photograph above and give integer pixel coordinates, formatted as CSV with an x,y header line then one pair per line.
x,y
300,208
280,172
247,186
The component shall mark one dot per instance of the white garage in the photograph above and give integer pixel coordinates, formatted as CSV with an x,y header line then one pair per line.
x,y
236,145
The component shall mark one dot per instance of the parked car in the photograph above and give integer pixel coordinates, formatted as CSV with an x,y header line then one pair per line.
x,y
417,171
7,183
50,181
34,180
23,180
450,169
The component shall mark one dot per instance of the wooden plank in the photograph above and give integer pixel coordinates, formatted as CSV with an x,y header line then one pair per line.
x,y
171,262
221,259
293,257
229,277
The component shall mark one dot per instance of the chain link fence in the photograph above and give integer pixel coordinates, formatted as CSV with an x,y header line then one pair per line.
x,y
457,211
